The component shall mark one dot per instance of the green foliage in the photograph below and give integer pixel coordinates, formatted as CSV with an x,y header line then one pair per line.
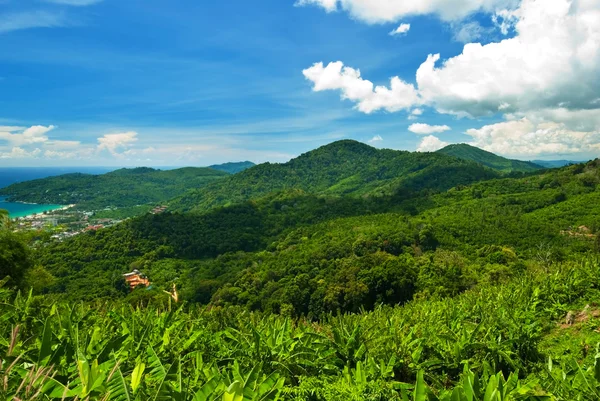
x,y
232,168
15,258
467,152
122,188
481,345
346,168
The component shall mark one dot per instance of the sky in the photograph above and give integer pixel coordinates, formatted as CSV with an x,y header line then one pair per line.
x,y
188,82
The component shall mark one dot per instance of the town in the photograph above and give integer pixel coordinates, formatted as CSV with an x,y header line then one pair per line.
x,y
68,221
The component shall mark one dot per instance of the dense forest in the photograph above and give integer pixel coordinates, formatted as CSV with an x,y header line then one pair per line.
x,y
344,168
349,273
232,168
120,188
489,159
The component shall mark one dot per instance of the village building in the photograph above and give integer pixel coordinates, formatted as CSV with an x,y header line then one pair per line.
x,y
136,279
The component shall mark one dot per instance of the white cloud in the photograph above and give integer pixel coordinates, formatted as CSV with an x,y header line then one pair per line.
x,y
20,136
380,11
553,61
431,144
368,97
426,129
20,153
547,72
54,154
524,138
375,139
415,114
328,5
31,19
401,30
114,142
62,144
468,32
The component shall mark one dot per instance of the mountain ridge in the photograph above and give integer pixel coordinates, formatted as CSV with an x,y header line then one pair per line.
x,y
489,159
345,167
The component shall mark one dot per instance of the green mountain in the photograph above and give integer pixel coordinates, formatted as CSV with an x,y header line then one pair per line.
x,y
468,152
555,163
120,188
233,168
322,253
343,168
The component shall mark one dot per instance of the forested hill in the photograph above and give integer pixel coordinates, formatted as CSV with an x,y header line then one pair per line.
x,y
341,168
233,168
314,254
468,152
120,188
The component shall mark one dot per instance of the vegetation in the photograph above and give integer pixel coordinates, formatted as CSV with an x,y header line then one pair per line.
x,y
343,168
310,254
487,344
468,152
121,188
346,274
232,168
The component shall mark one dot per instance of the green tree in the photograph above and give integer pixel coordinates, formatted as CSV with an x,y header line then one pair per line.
x,y
4,218
14,257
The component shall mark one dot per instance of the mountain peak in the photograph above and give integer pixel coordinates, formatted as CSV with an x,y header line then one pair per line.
x,y
489,159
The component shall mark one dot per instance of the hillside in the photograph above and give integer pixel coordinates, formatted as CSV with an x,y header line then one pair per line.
x,y
232,168
500,275
252,253
343,168
468,152
555,163
120,188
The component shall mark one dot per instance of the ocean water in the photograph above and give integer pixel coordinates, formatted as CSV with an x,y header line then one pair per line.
x,y
24,209
13,175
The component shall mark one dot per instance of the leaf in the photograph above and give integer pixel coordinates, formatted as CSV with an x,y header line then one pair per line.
x,y
235,392
208,389
117,387
137,375
419,393
46,347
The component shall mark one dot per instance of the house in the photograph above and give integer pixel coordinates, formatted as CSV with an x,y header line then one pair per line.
x,y
135,279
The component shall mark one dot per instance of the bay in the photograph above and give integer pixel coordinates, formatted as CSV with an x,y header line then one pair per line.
x,y
17,209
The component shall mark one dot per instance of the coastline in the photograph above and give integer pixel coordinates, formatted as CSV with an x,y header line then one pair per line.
x,y
28,210
36,215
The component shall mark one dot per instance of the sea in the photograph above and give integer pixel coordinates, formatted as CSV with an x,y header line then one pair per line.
x,y
13,175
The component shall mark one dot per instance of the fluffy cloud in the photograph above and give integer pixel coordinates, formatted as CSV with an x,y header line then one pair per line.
x,y
400,95
553,61
19,136
20,153
379,11
114,142
375,139
546,73
524,138
401,30
426,129
431,144
415,114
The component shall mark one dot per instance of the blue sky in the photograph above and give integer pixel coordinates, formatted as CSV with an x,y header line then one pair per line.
x,y
151,82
